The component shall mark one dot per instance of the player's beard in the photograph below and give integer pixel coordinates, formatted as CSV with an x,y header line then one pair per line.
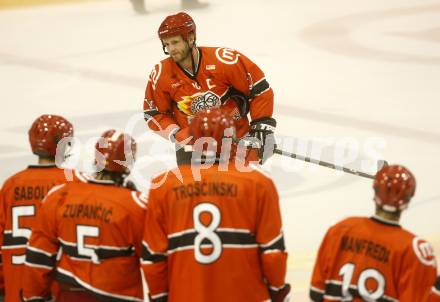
x,y
181,56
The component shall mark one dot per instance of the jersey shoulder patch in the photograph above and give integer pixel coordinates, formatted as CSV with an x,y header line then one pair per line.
x,y
227,56
424,251
140,199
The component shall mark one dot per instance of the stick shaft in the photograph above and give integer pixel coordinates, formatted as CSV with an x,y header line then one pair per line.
x,y
323,163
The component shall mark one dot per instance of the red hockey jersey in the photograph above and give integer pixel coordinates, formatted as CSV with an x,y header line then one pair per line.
x,y
224,77
98,227
20,200
369,259
216,239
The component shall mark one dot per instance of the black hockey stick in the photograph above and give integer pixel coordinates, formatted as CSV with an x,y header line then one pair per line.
x,y
380,163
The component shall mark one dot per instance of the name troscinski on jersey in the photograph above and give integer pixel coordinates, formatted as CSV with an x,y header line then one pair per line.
x,y
196,189
367,247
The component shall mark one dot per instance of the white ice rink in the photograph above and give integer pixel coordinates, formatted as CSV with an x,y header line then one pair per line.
x,y
362,75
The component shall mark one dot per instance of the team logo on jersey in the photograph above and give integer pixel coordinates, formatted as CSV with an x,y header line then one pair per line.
x,y
197,102
424,251
227,55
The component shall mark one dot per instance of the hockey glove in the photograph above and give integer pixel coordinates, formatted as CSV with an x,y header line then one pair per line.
x,y
263,130
280,295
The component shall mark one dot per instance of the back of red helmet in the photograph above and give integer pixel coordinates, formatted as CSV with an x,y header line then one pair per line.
x,y
115,151
45,133
214,124
394,187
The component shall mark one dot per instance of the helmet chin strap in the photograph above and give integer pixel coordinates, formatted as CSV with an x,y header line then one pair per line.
x,y
164,49
193,64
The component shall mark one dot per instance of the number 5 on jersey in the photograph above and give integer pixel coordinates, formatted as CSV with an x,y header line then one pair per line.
x,y
83,231
20,232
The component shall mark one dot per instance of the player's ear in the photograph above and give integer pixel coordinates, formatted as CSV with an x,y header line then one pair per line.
x,y
191,39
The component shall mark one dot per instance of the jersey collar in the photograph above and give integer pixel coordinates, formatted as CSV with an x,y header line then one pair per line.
x,y
42,166
101,182
381,220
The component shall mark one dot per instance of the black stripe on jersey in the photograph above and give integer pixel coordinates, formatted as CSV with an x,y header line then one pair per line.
x,y
159,299
230,93
259,88
182,240
240,99
37,299
316,296
101,253
42,166
34,257
9,240
147,255
63,278
148,114
226,237
277,245
335,290
101,182
437,284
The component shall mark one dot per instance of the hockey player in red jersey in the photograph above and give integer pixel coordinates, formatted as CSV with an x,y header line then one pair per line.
x,y
375,259
22,193
194,78
97,226
216,238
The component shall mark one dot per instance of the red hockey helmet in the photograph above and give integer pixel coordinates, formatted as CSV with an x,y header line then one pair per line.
x,y
212,123
45,133
178,24
394,187
116,151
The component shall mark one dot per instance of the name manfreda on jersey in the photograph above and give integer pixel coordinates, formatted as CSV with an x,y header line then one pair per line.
x,y
366,247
